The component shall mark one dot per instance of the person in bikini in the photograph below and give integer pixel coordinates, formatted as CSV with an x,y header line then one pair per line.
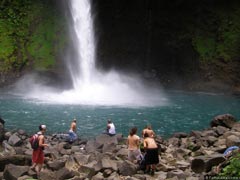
x,y
38,154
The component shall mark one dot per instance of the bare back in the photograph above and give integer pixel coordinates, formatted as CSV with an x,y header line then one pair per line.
x,y
73,126
133,142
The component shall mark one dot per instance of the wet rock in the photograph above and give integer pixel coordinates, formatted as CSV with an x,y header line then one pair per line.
x,y
226,120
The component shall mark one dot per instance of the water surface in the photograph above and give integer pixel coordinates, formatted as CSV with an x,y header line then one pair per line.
x,y
184,112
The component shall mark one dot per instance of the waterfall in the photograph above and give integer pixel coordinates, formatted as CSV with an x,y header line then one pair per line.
x,y
84,41
90,86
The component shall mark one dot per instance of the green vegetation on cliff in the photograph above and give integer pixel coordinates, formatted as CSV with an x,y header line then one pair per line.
x,y
217,34
32,33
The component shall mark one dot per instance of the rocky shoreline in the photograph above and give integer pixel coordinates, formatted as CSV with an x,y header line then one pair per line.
x,y
183,156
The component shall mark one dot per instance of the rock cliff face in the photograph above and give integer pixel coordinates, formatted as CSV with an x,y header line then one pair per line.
x,y
176,42
179,43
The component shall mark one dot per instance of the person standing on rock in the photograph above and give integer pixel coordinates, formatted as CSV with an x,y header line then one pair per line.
x,y
38,154
133,142
149,131
151,156
72,131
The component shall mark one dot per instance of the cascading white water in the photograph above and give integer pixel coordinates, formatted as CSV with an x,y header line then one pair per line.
x,y
83,28
91,87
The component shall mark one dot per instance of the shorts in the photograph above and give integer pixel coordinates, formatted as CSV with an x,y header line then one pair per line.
x,y
134,154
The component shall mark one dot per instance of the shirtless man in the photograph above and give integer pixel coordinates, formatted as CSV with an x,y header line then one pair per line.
x,y
149,131
151,156
72,131
133,143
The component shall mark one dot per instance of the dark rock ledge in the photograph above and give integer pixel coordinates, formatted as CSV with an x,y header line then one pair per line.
x,y
183,156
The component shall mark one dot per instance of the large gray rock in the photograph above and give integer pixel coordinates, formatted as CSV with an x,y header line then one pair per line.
x,y
226,120
56,165
205,163
46,174
14,159
106,139
8,149
64,173
232,141
109,147
14,140
13,172
93,146
81,159
178,173
127,168
88,170
98,176
106,163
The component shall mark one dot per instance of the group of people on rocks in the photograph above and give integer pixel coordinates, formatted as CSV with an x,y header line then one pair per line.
x,y
150,155
135,155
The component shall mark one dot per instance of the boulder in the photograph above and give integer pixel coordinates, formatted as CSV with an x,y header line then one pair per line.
x,y
225,120
93,146
220,130
98,176
180,135
236,127
46,174
205,163
8,149
13,172
122,153
20,160
64,173
88,170
104,138
108,147
71,164
174,141
178,173
14,140
55,165
232,141
127,168
81,159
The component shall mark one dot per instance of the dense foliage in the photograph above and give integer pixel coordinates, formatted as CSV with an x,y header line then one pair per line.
x,y
217,32
32,32
232,170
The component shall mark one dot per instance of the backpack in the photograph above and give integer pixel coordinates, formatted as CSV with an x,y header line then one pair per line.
x,y
34,141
